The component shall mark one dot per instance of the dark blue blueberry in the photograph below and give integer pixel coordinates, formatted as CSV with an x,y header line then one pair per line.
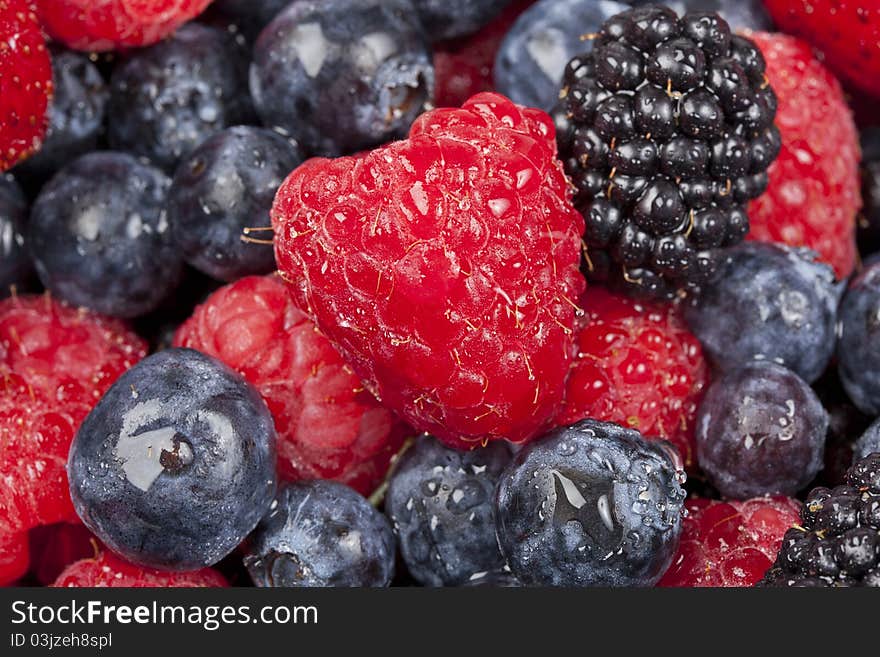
x,y
76,115
448,19
533,55
768,302
760,431
497,579
175,465
99,235
227,184
167,99
593,504
441,502
248,17
869,220
869,443
15,264
858,347
740,14
341,76
321,533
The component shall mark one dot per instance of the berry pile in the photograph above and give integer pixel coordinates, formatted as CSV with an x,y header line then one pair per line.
x,y
438,292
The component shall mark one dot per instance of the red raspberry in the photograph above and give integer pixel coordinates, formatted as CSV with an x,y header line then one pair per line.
x,y
638,365
108,570
25,82
54,547
463,67
730,543
328,426
55,363
846,31
813,197
97,25
444,268
13,557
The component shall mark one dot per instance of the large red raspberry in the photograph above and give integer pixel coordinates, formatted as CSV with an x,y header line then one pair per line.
x,y
328,426
730,543
13,557
813,197
638,365
444,268
95,25
25,82
55,363
108,570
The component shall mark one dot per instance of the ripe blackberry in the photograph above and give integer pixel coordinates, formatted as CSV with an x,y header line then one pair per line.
x,y
666,129
838,542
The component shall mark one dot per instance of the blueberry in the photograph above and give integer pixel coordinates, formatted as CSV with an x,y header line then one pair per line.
x,y
593,504
440,501
497,579
15,265
321,533
858,347
99,235
448,19
167,99
740,14
868,443
760,431
227,184
533,55
768,302
175,465
341,76
76,115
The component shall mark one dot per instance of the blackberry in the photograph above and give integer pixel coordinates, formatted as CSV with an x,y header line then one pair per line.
x,y
666,129
838,542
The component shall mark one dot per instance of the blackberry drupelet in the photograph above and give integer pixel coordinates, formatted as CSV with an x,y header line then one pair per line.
x,y
666,129
838,542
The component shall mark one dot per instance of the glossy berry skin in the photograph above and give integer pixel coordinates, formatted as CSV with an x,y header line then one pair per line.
x,y
448,19
458,315
14,559
15,263
225,185
858,347
730,544
328,426
495,579
593,504
167,99
666,129
76,115
837,542
99,237
25,82
740,15
760,431
441,503
176,463
768,302
321,533
107,569
845,31
869,442
638,365
55,363
533,55
812,197
340,76
98,25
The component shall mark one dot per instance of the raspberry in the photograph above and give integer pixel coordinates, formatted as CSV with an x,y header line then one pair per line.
x,y
55,363
13,557
638,365
54,547
444,268
108,570
328,426
463,67
813,196
98,25
25,82
730,543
